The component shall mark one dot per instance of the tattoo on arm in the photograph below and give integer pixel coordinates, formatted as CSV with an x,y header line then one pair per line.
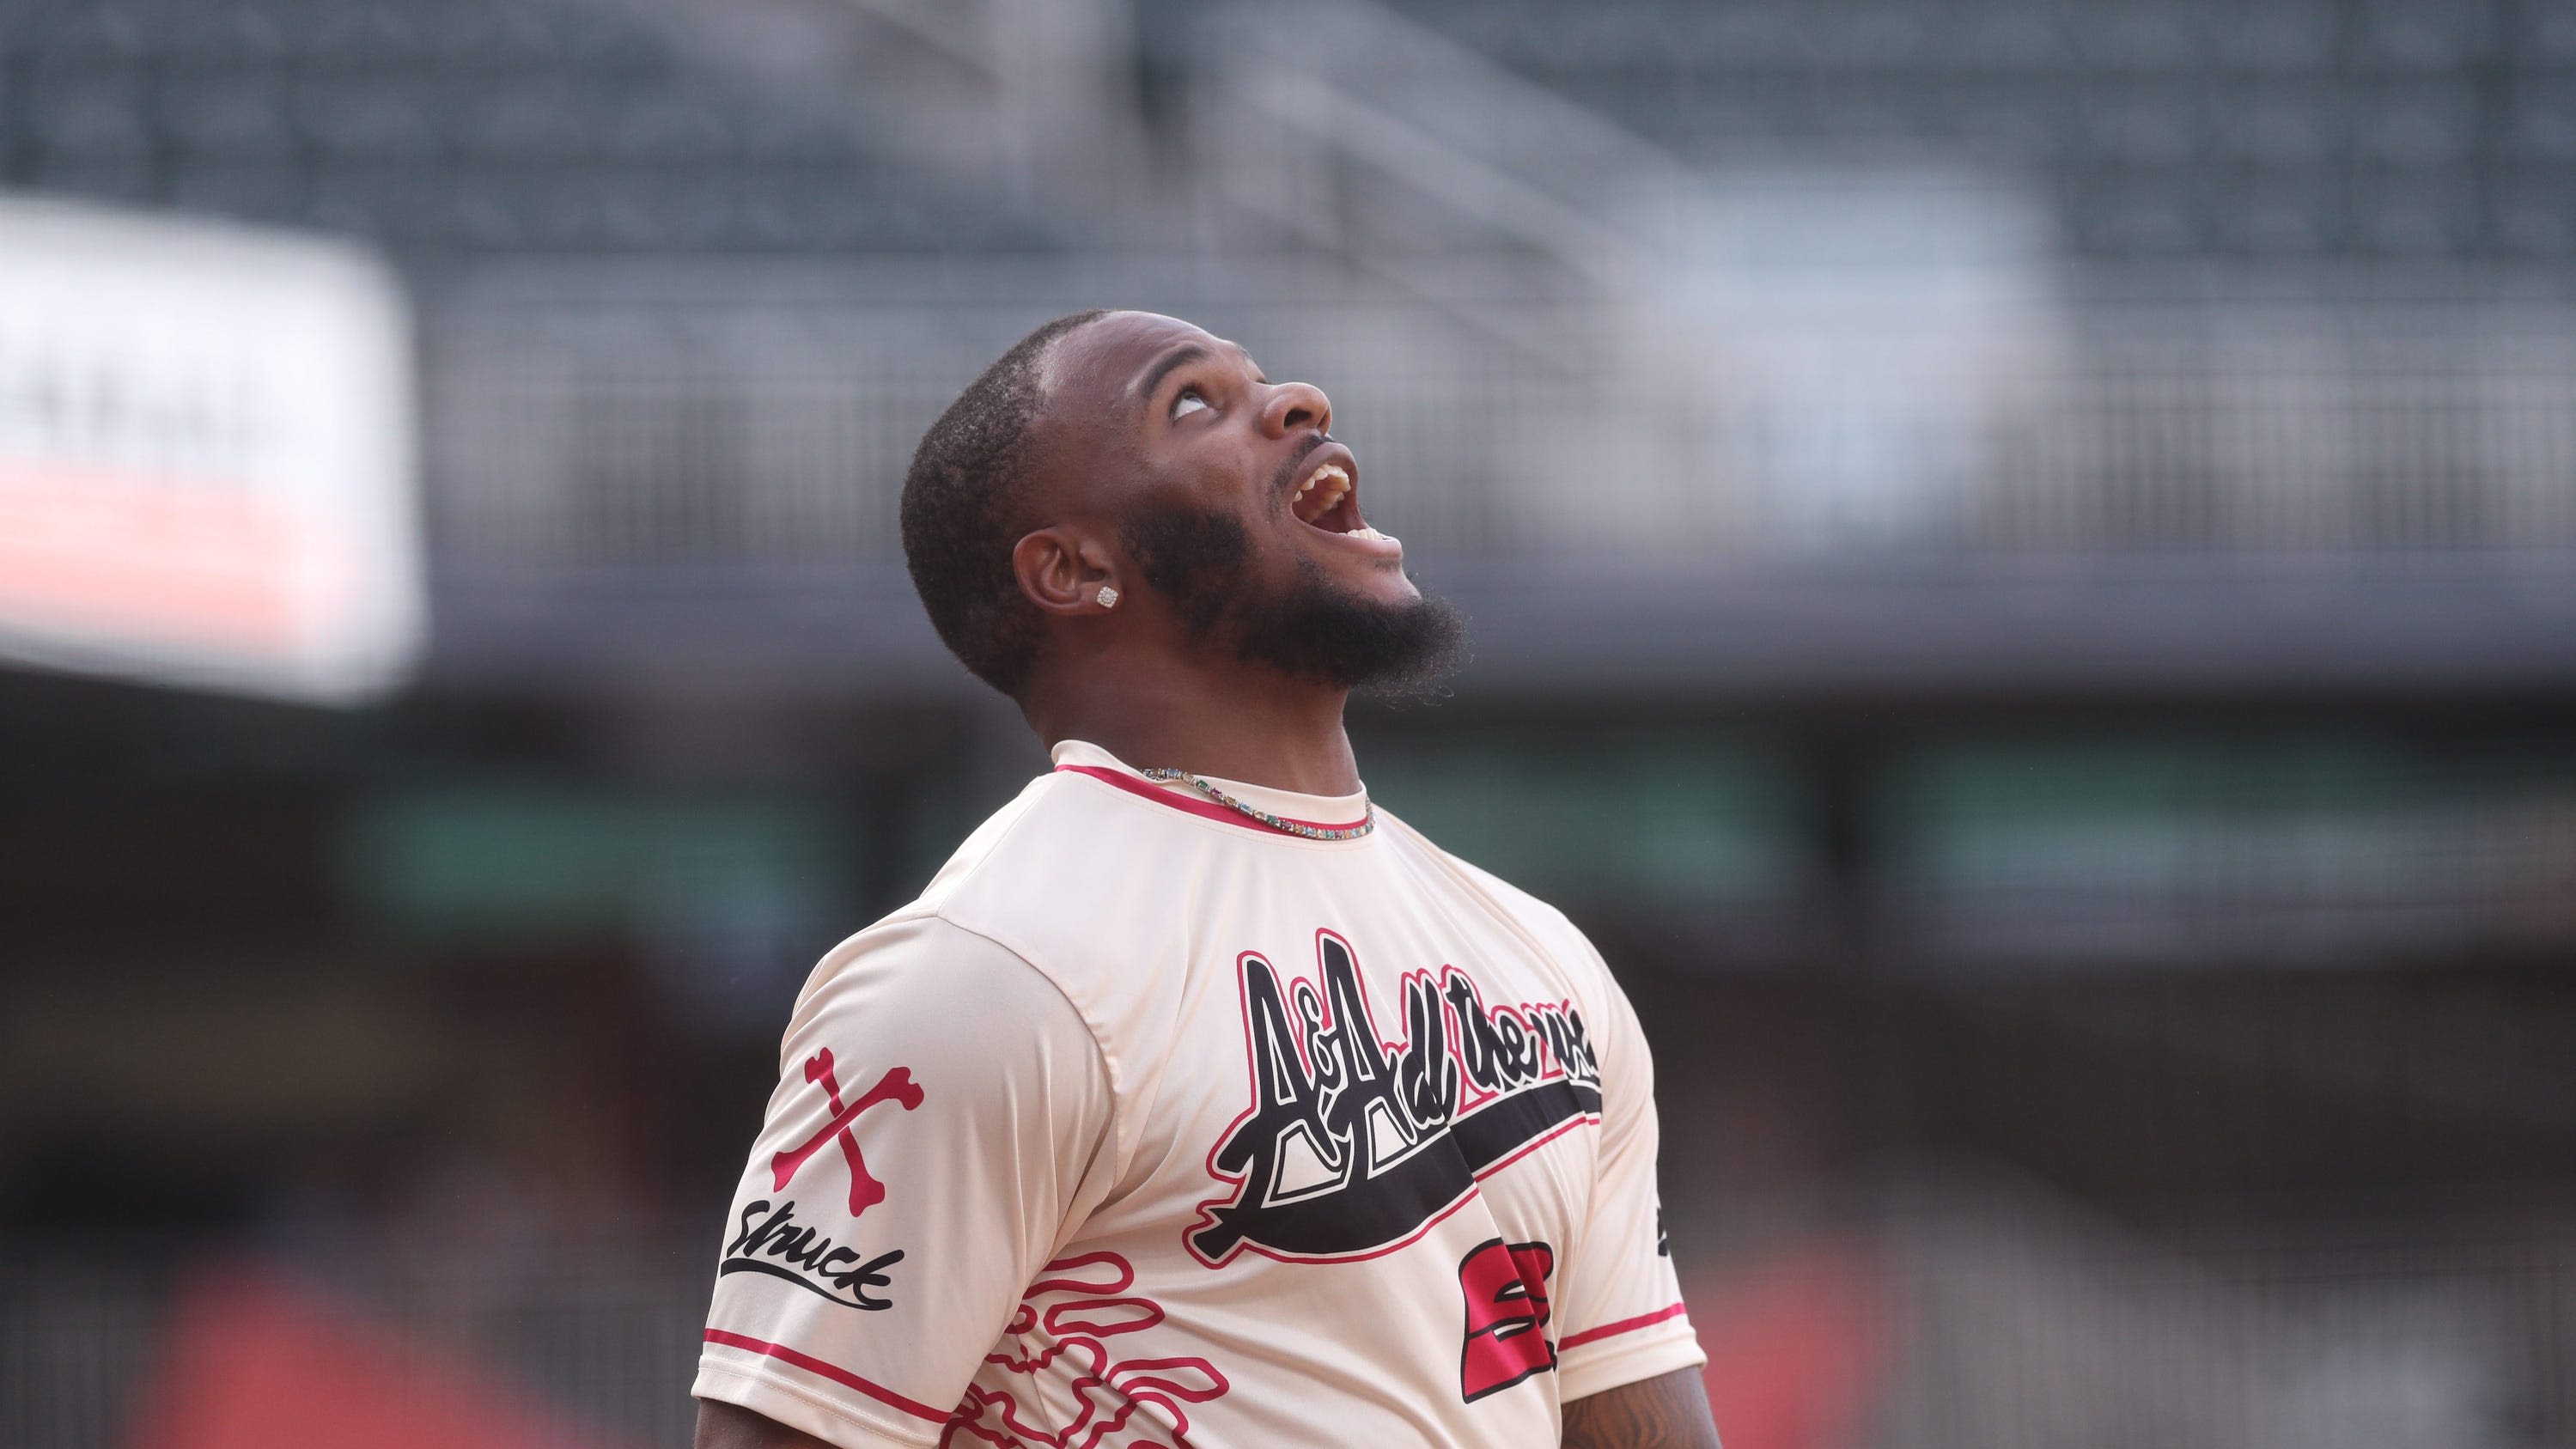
x,y
1670,1412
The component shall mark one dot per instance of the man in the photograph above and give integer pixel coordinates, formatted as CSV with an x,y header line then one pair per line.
x,y
1197,1101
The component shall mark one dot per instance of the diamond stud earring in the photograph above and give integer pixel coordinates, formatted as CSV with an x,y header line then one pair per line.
x,y
1107,596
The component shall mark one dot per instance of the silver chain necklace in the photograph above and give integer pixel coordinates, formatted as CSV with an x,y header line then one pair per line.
x,y
1368,817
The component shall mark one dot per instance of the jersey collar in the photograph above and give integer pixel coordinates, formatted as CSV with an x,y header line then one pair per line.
x,y
1331,812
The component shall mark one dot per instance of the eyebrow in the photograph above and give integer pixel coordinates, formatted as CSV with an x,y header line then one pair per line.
x,y
1187,352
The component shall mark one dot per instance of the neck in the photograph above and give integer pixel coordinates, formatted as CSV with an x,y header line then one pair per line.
x,y
1243,724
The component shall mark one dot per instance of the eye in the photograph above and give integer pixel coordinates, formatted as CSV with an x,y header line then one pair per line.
x,y
1187,403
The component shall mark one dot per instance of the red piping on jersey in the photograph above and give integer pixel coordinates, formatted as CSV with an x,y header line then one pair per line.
x,y
1195,806
834,1372
1624,1325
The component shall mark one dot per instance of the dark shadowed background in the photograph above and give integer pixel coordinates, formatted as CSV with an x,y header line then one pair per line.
x,y
2023,568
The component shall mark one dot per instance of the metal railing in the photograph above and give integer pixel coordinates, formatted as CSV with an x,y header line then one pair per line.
x,y
684,422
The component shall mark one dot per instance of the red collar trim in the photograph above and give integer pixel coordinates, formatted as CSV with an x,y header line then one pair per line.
x,y
1192,804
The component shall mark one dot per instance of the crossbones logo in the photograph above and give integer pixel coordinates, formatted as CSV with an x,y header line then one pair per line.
x,y
895,1086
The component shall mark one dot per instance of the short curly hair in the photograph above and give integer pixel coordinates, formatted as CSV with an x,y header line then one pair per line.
x,y
964,508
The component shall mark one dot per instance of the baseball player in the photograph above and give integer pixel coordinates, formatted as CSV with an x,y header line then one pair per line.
x,y
1197,1101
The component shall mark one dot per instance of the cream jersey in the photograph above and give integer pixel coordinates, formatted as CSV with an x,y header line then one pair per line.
x,y
1150,1125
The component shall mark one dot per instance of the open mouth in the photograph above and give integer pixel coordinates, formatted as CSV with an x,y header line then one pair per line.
x,y
1328,499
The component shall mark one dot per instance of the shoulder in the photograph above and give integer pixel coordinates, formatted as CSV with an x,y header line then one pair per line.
x,y
1001,831
926,969
1555,933
1058,823
965,1015
1040,899
1034,863
1059,874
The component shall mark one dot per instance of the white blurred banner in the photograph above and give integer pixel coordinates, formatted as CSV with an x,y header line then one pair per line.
x,y
206,455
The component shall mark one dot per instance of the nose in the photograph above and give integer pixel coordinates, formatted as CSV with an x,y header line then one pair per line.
x,y
1295,407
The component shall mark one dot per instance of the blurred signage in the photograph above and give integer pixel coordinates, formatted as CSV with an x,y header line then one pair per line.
x,y
206,455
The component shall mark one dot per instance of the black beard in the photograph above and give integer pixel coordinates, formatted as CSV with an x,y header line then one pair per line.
x,y
1311,631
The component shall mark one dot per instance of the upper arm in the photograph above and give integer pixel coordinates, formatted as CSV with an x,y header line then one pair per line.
x,y
730,1426
1669,1411
941,1122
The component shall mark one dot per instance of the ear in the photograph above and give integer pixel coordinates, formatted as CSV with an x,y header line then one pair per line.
x,y
1061,570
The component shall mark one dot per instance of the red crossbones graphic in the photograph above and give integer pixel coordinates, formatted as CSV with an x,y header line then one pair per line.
x,y
895,1086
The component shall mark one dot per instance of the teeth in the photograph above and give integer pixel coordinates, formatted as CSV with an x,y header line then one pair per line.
x,y
1323,491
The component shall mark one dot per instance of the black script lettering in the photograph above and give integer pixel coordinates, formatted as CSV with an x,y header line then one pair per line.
x,y
799,1250
1502,1052
1426,1076
1349,1146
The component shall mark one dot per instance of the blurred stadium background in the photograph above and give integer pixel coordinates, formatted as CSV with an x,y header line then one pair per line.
x,y
2024,567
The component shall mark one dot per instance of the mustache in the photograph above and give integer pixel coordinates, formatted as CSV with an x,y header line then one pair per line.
x,y
1287,473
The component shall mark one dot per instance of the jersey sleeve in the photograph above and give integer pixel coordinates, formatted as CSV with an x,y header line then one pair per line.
x,y
941,1123
1621,1317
